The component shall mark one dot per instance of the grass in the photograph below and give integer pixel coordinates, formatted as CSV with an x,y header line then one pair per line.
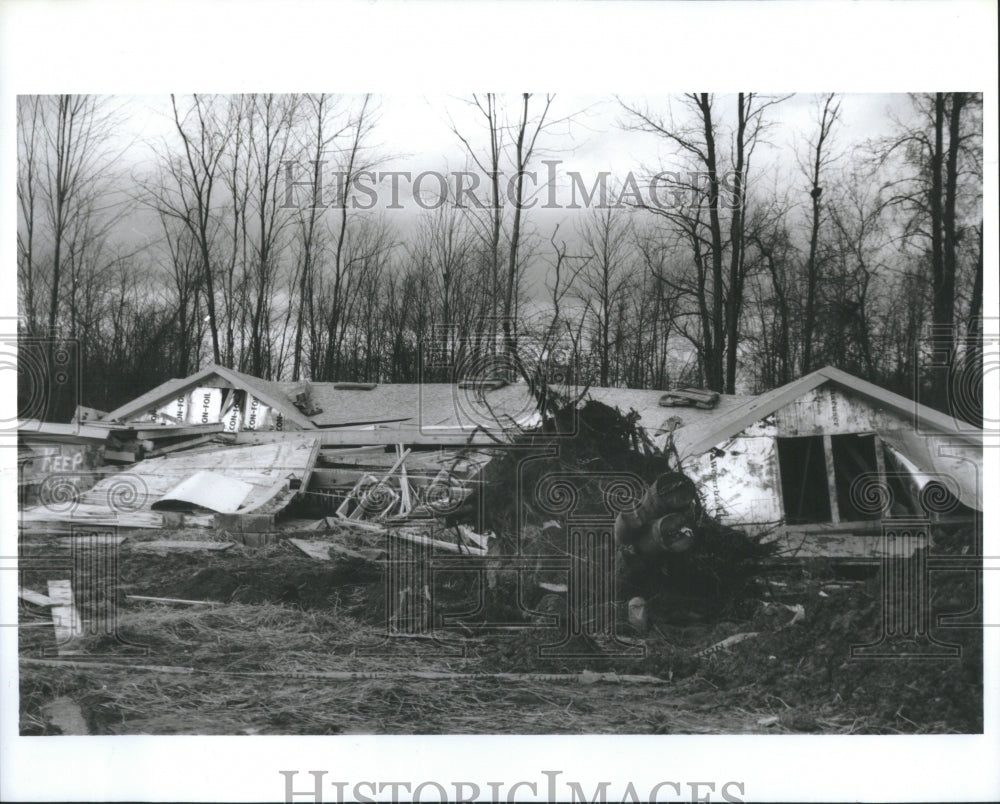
x,y
259,628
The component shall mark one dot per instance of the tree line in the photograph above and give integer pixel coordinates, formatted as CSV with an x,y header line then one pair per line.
x,y
866,255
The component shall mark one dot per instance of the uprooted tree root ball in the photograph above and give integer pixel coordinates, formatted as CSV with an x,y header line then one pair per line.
x,y
594,444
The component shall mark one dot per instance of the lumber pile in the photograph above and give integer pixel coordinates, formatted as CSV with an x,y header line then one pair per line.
x,y
129,443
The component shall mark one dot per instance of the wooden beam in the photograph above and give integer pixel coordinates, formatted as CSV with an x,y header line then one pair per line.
x,y
342,508
156,452
406,504
86,540
346,477
386,436
179,601
145,432
246,522
119,457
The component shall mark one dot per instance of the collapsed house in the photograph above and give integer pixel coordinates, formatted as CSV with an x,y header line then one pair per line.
x,y
473,412
822,461
817,463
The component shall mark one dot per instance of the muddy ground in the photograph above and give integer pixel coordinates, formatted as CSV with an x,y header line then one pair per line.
x,y
253,663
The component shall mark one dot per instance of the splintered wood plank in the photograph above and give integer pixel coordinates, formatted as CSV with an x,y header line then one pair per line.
x,y
148,431
406,504
387,436
65,617
314,549
34,598
311,460
585,677
168,545
836,542
175,600
187,443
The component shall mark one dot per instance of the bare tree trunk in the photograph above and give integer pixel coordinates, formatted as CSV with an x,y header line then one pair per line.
x,y
715,378
735,296
827,119
944,286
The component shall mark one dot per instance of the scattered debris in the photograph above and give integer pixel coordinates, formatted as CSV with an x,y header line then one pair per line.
x,y
314,549
208,491
690,397
178,545
65,617
503,556
728,642
275,473
171,600
34,598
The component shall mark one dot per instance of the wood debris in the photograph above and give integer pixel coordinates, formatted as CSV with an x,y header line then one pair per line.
x,y
169,545
34,598
314,549
65,617
172,600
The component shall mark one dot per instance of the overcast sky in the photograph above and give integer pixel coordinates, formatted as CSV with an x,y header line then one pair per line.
x,y
415,129
413,133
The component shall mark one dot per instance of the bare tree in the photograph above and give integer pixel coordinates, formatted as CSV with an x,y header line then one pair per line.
x,y
512,139
186,186
322,133
607,239
937,187
272,119
820,158
65,169
713,191
353,160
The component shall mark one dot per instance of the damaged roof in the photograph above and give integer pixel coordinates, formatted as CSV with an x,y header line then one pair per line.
x,y
718,425
429,405
271,393
448,405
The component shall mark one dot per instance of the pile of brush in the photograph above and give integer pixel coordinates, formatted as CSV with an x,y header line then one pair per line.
x,y
668,551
